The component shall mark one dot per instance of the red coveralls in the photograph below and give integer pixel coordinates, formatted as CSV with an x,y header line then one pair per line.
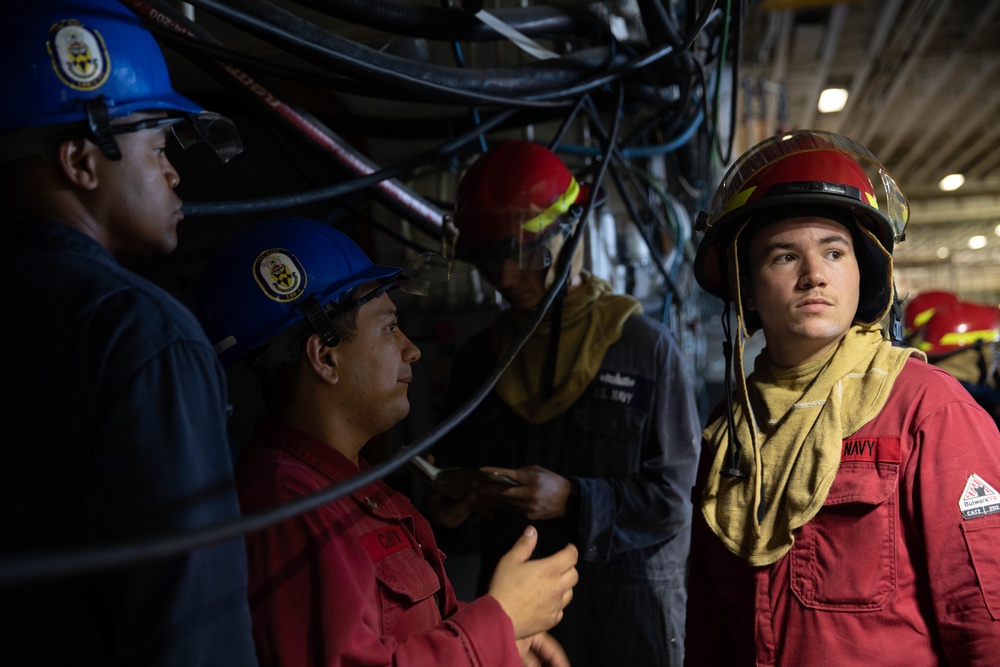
x,y
900,567
359,581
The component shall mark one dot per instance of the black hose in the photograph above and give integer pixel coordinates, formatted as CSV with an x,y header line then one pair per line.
x,y
507,85
321,194
454,25
393,195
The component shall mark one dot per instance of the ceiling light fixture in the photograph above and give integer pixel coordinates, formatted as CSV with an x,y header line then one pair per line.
x,y
951,182
977,242
832,100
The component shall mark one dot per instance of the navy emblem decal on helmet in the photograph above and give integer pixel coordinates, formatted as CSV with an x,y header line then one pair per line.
x,y
280,275
79,55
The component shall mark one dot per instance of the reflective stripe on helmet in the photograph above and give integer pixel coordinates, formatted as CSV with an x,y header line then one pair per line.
x,y
555,210
960,339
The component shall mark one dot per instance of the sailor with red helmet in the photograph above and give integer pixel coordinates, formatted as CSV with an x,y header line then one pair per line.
x,y
595,417
848,495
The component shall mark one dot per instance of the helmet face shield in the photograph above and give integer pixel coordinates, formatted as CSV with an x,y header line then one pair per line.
x,y
821,166
524,249
801,172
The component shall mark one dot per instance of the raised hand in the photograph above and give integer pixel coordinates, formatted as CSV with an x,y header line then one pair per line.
x,y
534,592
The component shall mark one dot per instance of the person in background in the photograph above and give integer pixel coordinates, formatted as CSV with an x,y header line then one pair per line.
x,y
963,338
116,414
848,506
595,418
359,581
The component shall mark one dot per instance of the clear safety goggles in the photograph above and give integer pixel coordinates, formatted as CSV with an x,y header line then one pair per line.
x,y
415,279
216,131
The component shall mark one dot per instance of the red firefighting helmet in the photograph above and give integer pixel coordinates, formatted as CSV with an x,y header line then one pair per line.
x,y
960,324
514,199
922,307
807,172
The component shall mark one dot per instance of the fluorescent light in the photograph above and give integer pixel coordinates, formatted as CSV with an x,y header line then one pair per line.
x,y
832,100
978,241
951,182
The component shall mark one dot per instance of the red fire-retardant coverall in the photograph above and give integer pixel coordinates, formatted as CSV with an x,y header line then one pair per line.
x,y
359,581
890,572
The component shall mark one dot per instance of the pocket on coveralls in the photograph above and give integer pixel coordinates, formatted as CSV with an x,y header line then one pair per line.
x,y
982,537
405,581
844,559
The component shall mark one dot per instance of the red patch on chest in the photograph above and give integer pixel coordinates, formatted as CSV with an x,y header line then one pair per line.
x,y
384,542
873,450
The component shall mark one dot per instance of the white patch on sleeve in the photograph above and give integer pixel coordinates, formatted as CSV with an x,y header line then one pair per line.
x,y
978,499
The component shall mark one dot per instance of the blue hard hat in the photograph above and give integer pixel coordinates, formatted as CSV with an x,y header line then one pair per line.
x,y
60,55
263,282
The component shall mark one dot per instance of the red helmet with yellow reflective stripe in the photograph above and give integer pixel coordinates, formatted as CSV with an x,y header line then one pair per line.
x,y
806,172
513,198
960,324
922,307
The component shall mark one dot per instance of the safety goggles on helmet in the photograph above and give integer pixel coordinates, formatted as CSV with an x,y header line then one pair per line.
x,y
217,131
73,67
415,278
